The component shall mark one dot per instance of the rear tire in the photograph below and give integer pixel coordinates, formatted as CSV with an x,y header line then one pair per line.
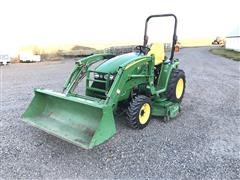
x,y
139,112
176,85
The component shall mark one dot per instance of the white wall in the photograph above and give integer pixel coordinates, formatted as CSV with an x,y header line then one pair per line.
x,y
233,43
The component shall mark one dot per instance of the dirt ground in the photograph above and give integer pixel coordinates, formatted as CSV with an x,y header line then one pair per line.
x,y
202,143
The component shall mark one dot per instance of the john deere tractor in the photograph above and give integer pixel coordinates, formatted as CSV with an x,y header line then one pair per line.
x,y
142,83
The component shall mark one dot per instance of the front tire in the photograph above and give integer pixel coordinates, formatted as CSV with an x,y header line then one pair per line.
x,y
139,112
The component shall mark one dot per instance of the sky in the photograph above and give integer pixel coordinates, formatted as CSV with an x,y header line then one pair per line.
x,y
95,22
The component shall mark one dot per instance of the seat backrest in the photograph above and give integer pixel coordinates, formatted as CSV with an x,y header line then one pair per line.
x,y
157,49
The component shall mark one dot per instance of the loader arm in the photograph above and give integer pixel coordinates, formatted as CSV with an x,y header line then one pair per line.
x,y
131,75
80,69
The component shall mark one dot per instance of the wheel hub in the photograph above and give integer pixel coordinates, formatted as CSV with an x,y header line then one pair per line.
x,y
144,113
179,88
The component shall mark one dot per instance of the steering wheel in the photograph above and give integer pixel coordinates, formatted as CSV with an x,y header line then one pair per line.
x,y
142,49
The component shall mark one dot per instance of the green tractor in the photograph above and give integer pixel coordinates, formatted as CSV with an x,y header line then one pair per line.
x,y
142,83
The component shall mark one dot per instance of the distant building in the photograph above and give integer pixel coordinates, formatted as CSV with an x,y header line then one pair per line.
x,y
233,40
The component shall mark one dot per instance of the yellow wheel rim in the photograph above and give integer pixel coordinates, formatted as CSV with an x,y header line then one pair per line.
x,y
179,88
144,113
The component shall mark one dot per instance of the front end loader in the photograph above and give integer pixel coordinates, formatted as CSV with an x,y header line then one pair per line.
x,y
142,83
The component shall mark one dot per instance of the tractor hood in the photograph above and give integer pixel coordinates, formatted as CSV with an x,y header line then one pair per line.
x,y
112,65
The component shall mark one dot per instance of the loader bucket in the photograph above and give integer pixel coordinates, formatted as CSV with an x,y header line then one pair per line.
x,y
83,122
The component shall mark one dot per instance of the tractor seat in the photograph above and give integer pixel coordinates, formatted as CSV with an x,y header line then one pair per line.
x,y
157,49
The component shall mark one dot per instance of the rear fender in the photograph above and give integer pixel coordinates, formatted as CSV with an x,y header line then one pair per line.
x,y
165,75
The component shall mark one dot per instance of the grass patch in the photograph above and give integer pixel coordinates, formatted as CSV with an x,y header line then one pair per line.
x,y
234,55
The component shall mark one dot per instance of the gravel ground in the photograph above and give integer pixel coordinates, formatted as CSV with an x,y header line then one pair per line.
x,y
202,143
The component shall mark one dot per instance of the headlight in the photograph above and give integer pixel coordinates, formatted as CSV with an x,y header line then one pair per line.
x,y
105,76
111,77
96,76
